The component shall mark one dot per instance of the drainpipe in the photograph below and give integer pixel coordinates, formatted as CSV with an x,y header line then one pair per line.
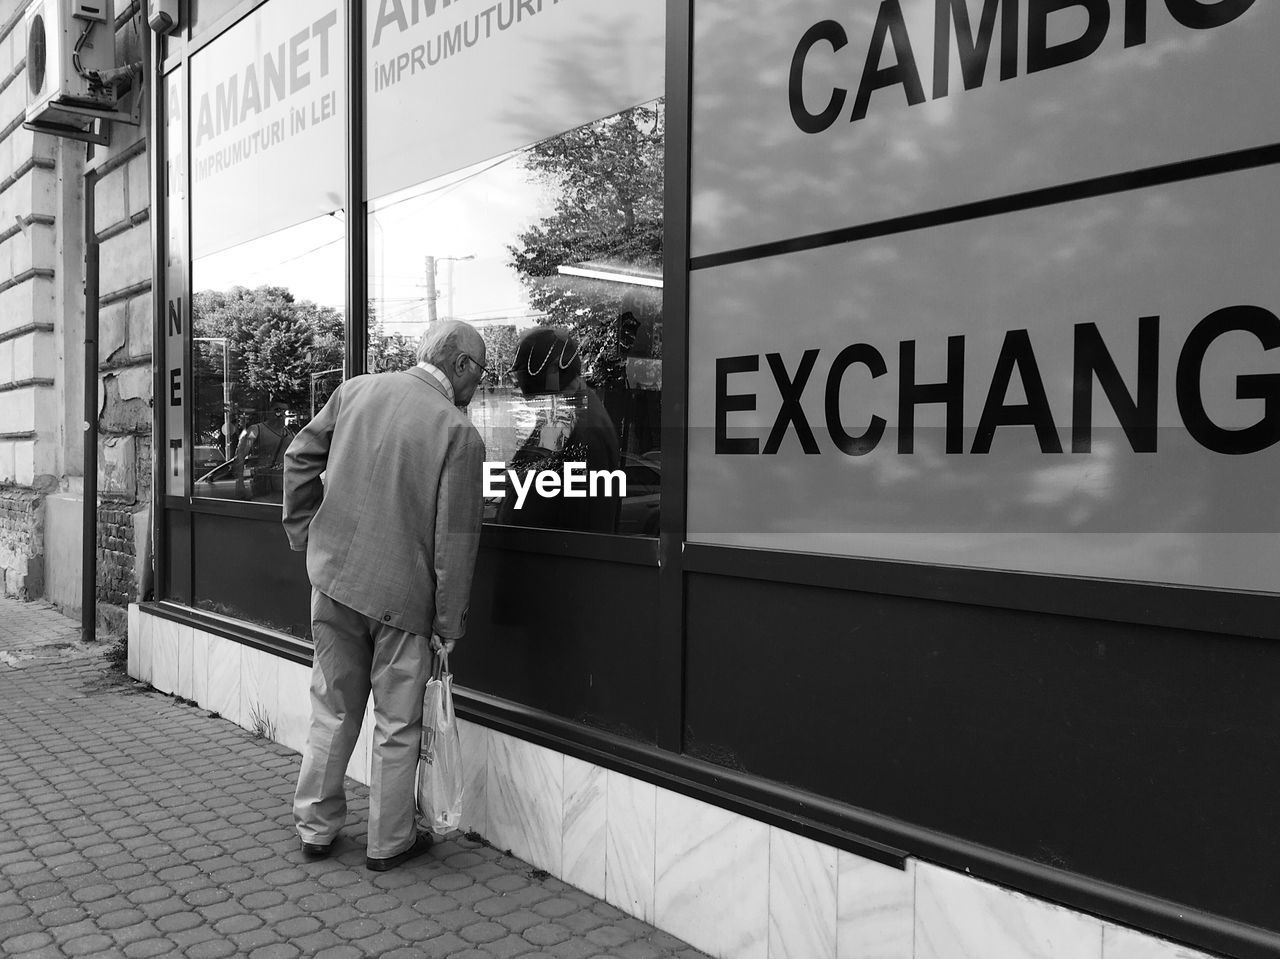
x,y
89,539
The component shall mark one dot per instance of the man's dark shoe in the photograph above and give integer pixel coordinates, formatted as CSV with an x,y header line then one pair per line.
x,y
420,845
313,850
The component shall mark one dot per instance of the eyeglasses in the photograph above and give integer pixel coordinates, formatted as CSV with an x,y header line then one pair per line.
x,y
479,365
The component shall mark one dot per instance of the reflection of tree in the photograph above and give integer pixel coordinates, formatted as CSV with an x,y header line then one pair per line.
x,y
275,343
388,352
608,211
499,350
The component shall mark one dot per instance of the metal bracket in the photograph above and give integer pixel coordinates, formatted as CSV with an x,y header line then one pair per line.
x,y
90,124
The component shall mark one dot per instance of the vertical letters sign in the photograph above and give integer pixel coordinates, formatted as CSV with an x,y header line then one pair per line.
x,y
176,294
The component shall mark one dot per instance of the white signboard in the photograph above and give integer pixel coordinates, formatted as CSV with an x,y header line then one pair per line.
x,y
453,82
268,124
816,115
1090,388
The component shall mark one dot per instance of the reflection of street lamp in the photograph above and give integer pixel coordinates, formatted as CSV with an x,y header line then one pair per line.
x,y
432,263
226,389
314,377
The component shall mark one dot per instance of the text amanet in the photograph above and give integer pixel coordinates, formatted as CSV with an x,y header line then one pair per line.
x,y
247,94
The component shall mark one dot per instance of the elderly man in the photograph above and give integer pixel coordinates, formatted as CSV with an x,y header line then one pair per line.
x,y
391,535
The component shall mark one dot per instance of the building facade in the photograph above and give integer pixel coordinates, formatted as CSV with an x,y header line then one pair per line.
x,y
43,361
935,343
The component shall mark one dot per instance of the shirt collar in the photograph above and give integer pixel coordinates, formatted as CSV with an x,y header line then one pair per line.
x,y
438,375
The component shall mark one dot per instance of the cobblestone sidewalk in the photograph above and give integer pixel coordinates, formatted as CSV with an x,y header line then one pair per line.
x,y
133,824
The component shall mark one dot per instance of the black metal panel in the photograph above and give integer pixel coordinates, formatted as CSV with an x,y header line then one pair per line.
x,y
244,568
1138,756
675,370
1213,611
568,636
176,533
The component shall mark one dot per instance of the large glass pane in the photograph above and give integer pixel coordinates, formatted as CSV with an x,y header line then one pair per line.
x,y
268,148
554,252
203,14
267,351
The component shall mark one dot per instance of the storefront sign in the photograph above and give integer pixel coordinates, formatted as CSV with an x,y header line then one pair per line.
x,y
816,115
1090,388
268,124
454,82
177,296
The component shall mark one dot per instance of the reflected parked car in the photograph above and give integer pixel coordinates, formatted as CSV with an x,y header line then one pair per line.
x,y
218,482
205,458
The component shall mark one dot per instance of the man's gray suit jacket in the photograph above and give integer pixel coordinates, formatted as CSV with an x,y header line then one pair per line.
x,y
393,529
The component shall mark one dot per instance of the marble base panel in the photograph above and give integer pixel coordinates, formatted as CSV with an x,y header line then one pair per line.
x,y
729,885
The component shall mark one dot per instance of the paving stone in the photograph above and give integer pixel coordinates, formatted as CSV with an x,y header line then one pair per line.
x,y
373,905
520,920
298,926
574,949
73,930
243,922
256,901
318,942
279,950
358,929
341,952
509,946
248,941
146,948
582,921
25,942
480,932
119,918
89,945
136,826
639,950
442,946
555,908
547,934
211,949
178,921
609,936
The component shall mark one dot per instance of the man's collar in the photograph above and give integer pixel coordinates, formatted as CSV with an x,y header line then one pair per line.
x,y
438,374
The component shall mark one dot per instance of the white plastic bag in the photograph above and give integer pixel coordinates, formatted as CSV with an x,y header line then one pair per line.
x,y
440,759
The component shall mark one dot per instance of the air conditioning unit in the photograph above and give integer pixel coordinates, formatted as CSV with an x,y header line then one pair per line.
x,y
73,83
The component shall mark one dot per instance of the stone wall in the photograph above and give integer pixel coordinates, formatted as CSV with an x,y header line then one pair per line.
x,y
29,428
42,374
21,541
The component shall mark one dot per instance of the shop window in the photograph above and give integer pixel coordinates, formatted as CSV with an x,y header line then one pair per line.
x,y
267,133
267,351
554,252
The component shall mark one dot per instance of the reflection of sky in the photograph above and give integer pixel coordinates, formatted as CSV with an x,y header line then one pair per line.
x,y
466,220
756,178
308,259
474,213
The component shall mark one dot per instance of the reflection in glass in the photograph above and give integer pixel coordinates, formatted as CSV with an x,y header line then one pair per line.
x,y
267,351
554,252
202,14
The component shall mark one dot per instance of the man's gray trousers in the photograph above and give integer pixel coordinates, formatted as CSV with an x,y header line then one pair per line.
x,y
354,655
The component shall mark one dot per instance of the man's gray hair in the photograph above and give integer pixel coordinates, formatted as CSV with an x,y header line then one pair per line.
x,y
443,341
